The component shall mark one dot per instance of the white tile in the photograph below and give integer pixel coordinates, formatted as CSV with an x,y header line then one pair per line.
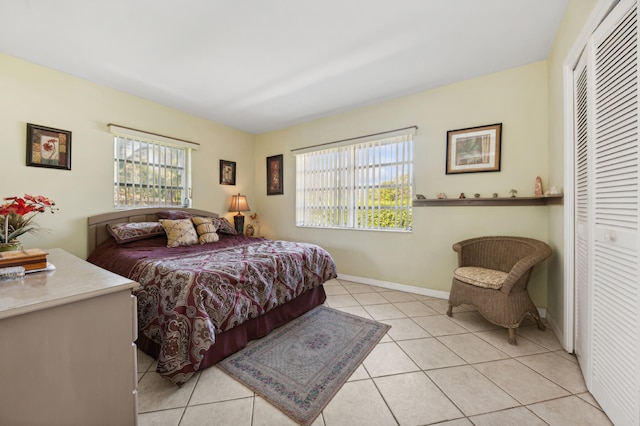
x,y
265,414
370,298
587,397
569,411
544,338
512,416
439,305
384,312
397,296
415,400
557,369
459,422
386,359
144,361
215,385
161,418
335,290
472,321
439,325
519,381
236,413
355,288
359,374
415,308
500,339
430,354
158,393
358,403
472,392
405,329
341,300
471,348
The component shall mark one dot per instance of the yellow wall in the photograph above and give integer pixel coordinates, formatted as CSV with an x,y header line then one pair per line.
x,y
575,17
527,100
517,98
33,94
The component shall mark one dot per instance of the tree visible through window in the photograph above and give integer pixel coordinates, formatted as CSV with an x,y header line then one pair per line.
x,y
366,185
149,174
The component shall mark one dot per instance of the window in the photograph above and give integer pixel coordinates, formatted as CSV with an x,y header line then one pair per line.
x,y
366,185
150,170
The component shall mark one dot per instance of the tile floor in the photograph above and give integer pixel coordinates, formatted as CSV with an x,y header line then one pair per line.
x,y
429,369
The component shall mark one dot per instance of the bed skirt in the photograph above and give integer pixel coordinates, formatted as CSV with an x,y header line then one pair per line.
x,y
231,341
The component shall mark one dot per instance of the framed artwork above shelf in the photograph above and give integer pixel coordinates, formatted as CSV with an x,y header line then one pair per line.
x,y
499,201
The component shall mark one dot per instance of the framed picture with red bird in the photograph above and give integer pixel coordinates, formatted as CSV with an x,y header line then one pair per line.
x,y
48,147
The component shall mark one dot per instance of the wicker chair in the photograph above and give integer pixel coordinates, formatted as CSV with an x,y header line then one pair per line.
x,y
492,275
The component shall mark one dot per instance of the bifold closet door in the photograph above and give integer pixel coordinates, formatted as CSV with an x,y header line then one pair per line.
x,y
614,198
582,325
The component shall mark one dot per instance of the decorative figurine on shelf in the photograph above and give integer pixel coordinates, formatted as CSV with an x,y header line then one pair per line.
x,y
420,197
476,195
462,195
442,196
513,193
538,190
552,191
495,195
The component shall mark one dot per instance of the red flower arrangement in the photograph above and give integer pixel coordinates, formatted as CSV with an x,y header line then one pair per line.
x,y
19,214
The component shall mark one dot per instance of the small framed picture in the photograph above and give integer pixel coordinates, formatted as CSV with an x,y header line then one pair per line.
x,y
48,147
227,172
475,149
274,175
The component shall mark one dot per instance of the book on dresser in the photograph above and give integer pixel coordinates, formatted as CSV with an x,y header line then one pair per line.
x,y
30,259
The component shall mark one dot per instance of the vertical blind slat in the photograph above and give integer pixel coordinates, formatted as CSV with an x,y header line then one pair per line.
x,y
368,185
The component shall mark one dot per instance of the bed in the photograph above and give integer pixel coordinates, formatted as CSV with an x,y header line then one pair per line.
x,y
199,303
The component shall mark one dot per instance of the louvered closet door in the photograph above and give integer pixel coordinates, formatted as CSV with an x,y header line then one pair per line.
x,y
615,300
582,333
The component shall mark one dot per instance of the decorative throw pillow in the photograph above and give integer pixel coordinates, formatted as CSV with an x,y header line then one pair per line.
x,y
133,231
224,226
180,232
173,214
206,229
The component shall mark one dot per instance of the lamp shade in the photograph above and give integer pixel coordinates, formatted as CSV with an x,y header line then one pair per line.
x,y
239,204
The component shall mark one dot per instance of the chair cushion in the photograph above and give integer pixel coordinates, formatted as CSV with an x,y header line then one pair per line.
x,y
480,277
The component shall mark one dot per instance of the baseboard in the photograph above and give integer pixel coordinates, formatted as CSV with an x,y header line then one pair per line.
x,y
395,286
428,292
551,322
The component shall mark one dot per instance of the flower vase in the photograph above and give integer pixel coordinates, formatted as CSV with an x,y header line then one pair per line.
x,y
13,245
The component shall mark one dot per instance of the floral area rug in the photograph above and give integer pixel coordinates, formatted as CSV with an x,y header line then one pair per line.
x,y
300,366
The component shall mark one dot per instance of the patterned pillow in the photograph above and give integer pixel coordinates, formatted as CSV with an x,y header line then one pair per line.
x,y
180,232
133,231
173,214
206,230
224,226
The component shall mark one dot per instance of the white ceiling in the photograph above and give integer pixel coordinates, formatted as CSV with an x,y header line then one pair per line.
x,y
260,65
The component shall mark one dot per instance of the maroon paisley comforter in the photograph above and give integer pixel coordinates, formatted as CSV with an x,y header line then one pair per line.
x,y
190,294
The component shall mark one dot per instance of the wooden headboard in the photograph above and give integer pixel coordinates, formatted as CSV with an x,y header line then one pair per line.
x,y
97,225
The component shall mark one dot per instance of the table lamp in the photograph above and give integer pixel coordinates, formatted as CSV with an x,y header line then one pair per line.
x,y
239,204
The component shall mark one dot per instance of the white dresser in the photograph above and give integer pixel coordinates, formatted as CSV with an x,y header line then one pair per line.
x,y
67,355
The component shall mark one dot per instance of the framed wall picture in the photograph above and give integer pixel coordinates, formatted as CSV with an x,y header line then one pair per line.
x,y
274,175
475,149
48,147
227,172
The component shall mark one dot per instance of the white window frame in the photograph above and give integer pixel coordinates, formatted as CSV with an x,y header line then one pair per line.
x,y
169,155
335,182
